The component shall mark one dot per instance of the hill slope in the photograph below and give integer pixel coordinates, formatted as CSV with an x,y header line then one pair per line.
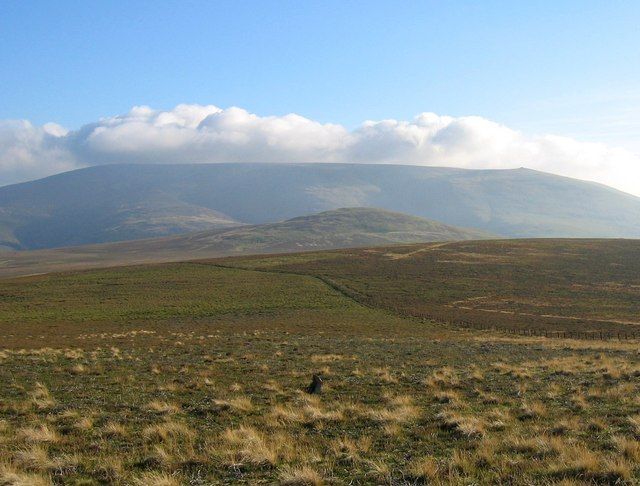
x,y
342,228
570,285
121,202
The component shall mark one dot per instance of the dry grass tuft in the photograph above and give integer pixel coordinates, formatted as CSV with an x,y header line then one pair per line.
x,y
465,425
168,432
310,411
351,450
85,424
41,397
536,447
162,407
445,377
380,471
115,429
424,469
578,462
109,469
238,404
301,476
401,410
531,411
40,433
245,445
629,448
155,478
78,369
327,358
634,421
448,396
10,476
385,375
35,458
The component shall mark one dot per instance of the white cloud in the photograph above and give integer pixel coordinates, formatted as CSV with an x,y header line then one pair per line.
x,y
28,152
201,134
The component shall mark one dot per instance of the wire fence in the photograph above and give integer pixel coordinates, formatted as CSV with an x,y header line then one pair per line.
x,y
585,335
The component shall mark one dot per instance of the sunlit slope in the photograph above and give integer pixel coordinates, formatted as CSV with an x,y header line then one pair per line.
x,y
122,202
343,228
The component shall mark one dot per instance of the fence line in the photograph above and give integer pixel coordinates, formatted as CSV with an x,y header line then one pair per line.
x,y
585,335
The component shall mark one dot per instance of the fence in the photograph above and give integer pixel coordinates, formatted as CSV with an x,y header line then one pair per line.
x,y
586,335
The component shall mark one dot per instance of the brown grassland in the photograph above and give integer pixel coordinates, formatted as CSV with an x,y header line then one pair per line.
x,y
194,373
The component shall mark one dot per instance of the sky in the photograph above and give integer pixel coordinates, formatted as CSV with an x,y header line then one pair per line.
x,y
550,85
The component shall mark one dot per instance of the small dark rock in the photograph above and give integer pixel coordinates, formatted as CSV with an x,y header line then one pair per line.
x,y
316,385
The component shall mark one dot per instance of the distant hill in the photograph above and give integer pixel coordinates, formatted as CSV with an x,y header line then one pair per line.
x,y
123,202
342,228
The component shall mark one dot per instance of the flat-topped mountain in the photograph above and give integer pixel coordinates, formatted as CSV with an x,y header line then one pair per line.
x,y
124,202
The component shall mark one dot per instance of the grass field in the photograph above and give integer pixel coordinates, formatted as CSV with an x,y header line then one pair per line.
x,y
543,284
194,373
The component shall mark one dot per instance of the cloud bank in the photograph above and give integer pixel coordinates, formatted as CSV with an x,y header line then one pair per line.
x,y
208,134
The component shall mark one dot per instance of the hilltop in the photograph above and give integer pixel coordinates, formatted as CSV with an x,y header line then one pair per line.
x,y
342,228
125,202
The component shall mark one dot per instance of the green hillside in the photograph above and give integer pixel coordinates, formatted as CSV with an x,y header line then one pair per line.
x,y
343,228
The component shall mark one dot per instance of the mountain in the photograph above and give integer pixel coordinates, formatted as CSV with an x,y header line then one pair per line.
x,y
122,202
341,228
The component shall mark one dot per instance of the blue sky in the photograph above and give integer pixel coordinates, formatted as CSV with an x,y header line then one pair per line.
x,y
530,64
562,67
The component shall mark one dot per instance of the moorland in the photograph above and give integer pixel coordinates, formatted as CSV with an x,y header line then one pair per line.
x,y
195,372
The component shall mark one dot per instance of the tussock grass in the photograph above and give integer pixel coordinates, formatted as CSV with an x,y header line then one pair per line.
x,y
465,425
154,478
41,397
109,469
163,407
533,447
198,376
115,429
425,469
349,450
237,404
245,445
167,432
40,433
301,476
629,448
580,463
11,476
531,410
34,458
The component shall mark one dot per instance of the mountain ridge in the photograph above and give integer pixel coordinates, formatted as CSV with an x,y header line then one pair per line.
x,y
127,201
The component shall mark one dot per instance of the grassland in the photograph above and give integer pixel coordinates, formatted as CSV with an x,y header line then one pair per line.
x,y
573,285
194,373
340,228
